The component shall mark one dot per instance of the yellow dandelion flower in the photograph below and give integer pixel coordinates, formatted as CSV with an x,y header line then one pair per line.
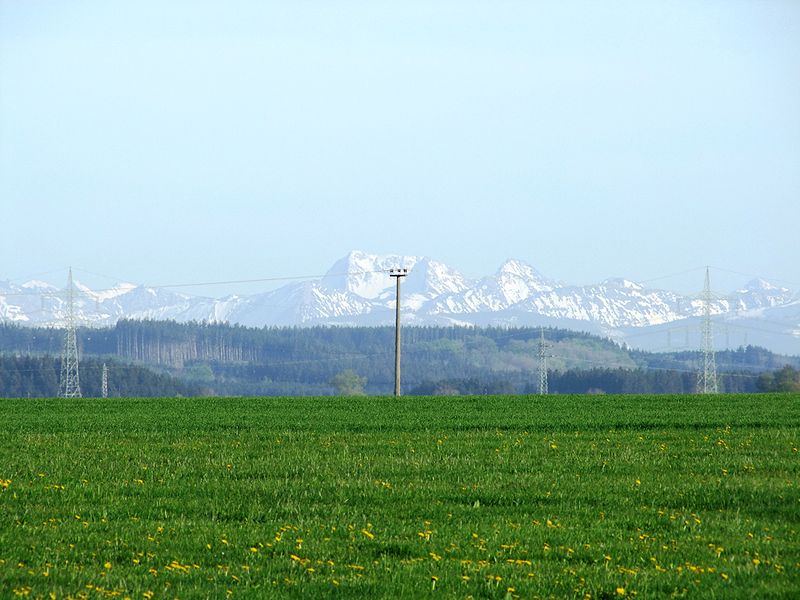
x,y
620,591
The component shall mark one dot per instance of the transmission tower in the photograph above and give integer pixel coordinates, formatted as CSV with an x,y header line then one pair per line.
x,y
542,364
70,385
105,381
707,377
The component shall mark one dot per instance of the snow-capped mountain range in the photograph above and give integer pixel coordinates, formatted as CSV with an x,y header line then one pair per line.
x,y
357,290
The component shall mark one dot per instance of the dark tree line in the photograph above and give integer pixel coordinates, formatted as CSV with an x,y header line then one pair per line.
x,y
589,381
38,377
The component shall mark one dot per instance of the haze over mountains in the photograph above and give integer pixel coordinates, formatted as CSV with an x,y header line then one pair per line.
x,y
358,291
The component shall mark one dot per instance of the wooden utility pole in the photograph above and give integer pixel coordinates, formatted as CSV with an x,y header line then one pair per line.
x,y
398,274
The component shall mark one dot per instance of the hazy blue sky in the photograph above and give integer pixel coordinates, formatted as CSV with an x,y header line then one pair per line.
x,y
190,141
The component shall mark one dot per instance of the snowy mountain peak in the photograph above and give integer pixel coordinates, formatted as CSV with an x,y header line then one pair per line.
x,y
761,285
84,291
619,282
519,268
758,294
35,284
114,292
82,288
432,278
517,280
363,274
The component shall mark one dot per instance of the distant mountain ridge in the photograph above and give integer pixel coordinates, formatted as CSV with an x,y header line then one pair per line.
x,y
358,291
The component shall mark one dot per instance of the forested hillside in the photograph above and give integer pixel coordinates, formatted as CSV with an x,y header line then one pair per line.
x,y
236,360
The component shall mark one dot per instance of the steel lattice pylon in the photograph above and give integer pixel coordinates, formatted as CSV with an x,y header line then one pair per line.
x,y
104,390
707,376
70,385
542,365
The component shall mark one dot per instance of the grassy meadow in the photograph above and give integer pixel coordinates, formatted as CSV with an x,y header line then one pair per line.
x,y
486,497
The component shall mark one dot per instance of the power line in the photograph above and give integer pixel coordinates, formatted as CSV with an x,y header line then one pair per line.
x,y
793,283
41,273
670,276
91,294
60,293
304,277
87,293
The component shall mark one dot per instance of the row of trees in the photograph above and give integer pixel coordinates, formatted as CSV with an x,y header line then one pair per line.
x,y
786,379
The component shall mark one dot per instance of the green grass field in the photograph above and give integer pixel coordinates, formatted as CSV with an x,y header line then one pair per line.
x,y
491,497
